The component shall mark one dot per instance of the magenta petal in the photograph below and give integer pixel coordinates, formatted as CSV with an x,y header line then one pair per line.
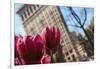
x,y
19,61
30,48
51,37
15,45
45,59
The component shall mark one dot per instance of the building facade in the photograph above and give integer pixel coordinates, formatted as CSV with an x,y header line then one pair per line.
x,y
36,17
79,46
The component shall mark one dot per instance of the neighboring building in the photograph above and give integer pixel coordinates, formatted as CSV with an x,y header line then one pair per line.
x,y
36,17
74,37
90,32
82,51
79,46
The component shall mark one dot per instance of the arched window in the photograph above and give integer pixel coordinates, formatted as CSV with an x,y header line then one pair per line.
x,y
37,5
25,15
34,7
31,9
28,12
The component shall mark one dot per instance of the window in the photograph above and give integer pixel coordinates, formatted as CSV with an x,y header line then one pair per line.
x,y
67,53
73,56
41,20
37,5
28,12
25,15
31,10
34,7
51,12
31,29
71,51
69,58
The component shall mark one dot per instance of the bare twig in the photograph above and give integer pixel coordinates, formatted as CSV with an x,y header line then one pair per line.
x,y
73,20
74,25
85,17
75,15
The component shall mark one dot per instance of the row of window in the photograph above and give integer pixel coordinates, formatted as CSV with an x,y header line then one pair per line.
x,y
30,9
72,58
69,52
40,16
47,17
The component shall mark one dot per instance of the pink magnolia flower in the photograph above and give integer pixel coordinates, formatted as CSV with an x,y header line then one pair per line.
x,y
30,48
51,38
15,45
45,59
19,61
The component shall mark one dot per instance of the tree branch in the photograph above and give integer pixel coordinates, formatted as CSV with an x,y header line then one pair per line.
x,y
75,15
85,17
73,20
74,25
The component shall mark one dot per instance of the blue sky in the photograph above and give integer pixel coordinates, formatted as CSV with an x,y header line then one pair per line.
x,y
65,12
20,30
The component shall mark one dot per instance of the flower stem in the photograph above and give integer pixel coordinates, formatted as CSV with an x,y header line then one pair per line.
x,y
60,54
52,59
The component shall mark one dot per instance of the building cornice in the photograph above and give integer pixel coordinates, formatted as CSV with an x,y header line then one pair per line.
x,y
35,13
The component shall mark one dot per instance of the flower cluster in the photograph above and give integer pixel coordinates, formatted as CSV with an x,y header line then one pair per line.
x,y
37,49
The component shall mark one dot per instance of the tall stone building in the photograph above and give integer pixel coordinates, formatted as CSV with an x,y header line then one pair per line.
x,y
36,17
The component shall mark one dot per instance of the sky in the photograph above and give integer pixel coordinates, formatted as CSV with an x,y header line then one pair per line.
x,y
66,14
19,29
